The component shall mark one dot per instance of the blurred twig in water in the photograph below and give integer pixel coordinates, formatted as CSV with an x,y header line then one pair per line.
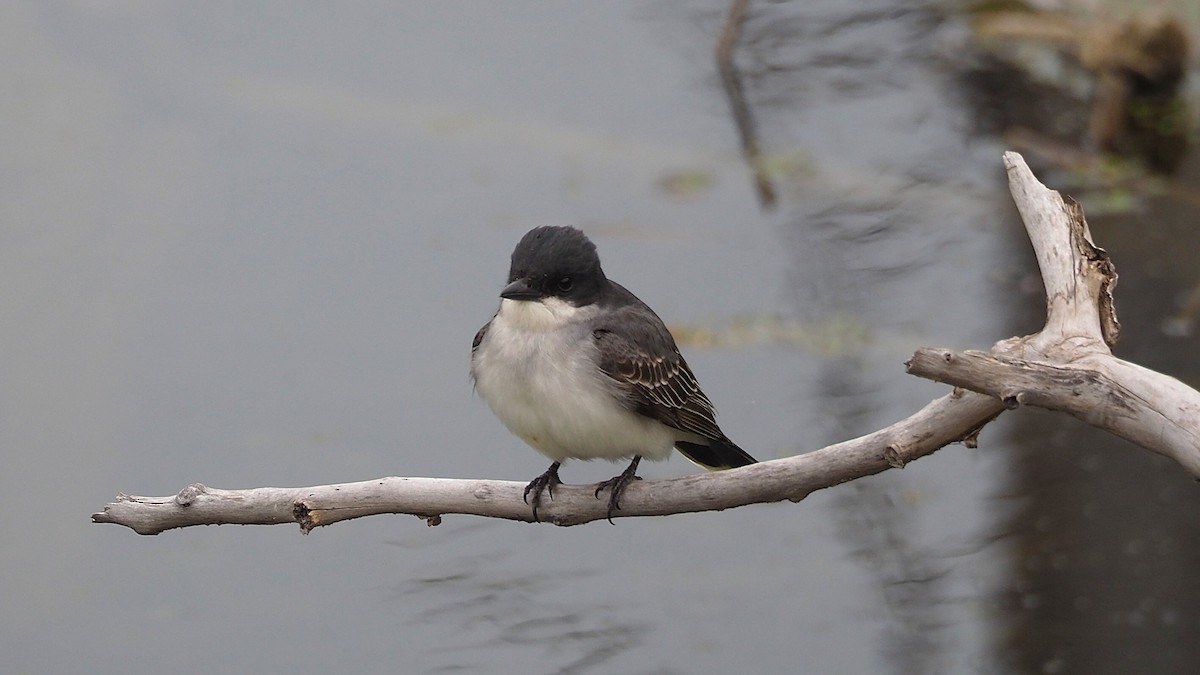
x,y
742,116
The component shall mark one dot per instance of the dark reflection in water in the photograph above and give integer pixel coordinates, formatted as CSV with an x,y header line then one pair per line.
x,y
1090,545
881,231
1107,538
881,537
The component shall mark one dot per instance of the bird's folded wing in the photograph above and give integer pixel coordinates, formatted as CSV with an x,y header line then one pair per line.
x,y
661,387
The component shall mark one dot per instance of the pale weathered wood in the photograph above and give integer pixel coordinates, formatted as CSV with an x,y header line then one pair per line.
x,y
1067,366
1147,408
954,417
1077,274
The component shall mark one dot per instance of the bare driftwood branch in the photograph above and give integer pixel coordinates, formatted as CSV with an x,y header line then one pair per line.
x,y
1150,409
1067,366
954,417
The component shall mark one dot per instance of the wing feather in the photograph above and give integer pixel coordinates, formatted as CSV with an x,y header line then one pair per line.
x,y
658,381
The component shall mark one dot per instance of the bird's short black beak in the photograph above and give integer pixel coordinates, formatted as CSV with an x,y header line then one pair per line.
x,y
520,290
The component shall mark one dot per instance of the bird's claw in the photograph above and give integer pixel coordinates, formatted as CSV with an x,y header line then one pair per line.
x,y
546,482
616,486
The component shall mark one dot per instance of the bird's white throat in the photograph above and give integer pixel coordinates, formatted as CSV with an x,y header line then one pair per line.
x,y
537,316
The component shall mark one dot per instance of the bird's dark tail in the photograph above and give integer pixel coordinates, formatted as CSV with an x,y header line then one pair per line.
x,y
716,454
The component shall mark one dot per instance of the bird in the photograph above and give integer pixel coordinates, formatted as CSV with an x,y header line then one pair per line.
x,y
578,367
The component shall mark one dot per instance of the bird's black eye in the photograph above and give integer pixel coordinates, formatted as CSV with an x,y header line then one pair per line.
x,y
565,284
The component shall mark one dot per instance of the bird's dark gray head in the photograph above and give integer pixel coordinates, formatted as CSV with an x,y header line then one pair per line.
x,y
555,262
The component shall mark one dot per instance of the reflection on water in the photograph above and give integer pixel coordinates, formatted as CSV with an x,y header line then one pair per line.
x,y
1089,545
500,610
878,531
895,227
491,614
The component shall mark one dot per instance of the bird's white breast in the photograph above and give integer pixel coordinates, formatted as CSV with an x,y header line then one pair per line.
x,y
537,370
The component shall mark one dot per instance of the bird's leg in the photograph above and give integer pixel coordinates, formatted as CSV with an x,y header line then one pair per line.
x,y
546,482
617,484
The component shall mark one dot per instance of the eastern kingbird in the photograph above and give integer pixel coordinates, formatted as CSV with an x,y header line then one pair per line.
x,y
578,367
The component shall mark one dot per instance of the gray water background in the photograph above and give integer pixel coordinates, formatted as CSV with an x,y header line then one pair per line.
x,y
249,243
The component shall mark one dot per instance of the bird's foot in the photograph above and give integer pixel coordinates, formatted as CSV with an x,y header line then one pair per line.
x,y
616,486
546,482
